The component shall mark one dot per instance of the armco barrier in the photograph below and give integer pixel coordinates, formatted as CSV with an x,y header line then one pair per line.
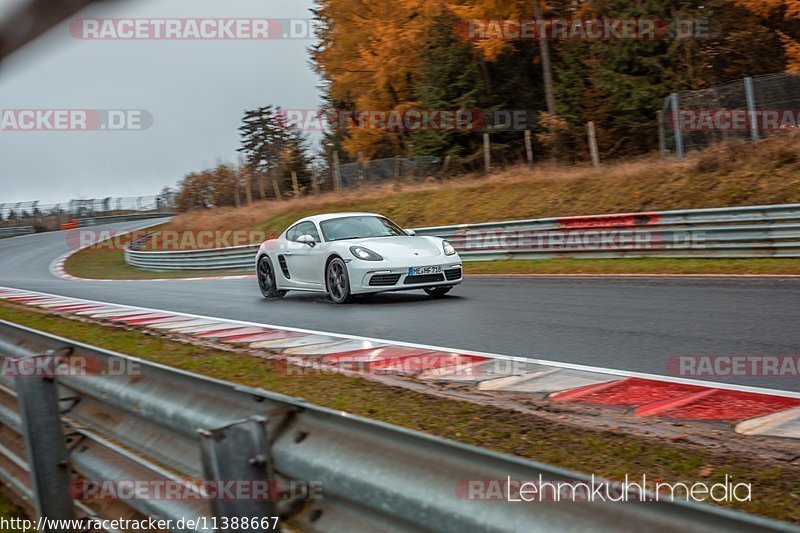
x,y
753,231
13,232
110,219
130,420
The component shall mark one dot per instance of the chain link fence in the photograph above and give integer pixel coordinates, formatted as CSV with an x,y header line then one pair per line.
x,y
746,109
389,169
51,216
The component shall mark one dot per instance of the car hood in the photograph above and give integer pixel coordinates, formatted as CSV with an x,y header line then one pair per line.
x,y
399,247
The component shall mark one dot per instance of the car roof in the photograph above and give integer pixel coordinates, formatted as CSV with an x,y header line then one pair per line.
x,y
329,216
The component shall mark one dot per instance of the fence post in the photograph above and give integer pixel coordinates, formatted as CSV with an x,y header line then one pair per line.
x,y
593,143
337,175
295,185
261,189
48,460
240,453
751,107
397,163
528,147
487,154
662,146
248,189
314,184
276,189
445,165
676,125
360,167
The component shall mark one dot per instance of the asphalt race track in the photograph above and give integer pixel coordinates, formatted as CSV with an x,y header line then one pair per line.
x,y
632,324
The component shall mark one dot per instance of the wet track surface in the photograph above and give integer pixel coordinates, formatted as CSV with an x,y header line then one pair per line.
x,y
633,324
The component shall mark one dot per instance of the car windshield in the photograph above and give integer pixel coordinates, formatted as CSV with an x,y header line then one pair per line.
x,y
359,227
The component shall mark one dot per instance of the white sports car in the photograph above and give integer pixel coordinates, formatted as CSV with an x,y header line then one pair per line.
x,y
355,253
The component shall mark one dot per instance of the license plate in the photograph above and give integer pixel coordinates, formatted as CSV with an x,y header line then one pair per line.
x,y
421,271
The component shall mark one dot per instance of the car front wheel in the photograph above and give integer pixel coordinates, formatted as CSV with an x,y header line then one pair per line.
x,y
437,292
266,279
338,281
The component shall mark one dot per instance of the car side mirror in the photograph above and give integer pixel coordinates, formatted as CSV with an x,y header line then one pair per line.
x,y
307,239
411,232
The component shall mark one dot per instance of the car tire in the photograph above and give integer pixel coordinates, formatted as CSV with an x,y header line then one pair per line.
x,y
337,281
437,292
266,279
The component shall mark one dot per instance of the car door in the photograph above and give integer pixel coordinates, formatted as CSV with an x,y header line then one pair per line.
x,y
304,261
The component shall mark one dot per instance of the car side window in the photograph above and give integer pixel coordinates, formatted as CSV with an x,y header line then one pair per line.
x,y
304,228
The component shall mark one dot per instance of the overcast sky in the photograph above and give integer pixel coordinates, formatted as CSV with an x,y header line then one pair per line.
x,y
196,92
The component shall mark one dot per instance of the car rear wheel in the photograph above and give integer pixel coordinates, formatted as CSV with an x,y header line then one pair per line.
x,y
266,279
437,292
338,281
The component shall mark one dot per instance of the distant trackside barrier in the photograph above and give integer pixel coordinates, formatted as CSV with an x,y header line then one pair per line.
x,y
752,231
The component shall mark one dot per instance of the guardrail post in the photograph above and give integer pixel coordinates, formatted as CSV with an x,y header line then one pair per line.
x,y
239,453
44,439
751,107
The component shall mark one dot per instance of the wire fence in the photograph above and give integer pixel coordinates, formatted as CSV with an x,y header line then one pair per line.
x,y
746,109
389,169
51,216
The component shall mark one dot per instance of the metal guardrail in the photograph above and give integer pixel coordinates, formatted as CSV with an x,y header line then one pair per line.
x,y
110,219
19,230
752,231
233,258
157,424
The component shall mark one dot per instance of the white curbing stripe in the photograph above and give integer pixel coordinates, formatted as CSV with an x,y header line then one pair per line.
x,y
780,424
547,381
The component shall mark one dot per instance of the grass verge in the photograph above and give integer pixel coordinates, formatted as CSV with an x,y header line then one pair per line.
x,y
605,453
110,264
647,265
9,510
106,260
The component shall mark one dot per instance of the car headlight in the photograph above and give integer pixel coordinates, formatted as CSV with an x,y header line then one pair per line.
x,y
448,248
365,254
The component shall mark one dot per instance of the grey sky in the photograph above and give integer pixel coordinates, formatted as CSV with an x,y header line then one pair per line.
x,y
195,90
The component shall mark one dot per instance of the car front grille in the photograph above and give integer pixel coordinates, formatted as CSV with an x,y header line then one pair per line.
x,y
425,278
383,280
452,274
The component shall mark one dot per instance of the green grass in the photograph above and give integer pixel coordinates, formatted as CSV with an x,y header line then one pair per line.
x,y
648,265
110,264
9,510
611,454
